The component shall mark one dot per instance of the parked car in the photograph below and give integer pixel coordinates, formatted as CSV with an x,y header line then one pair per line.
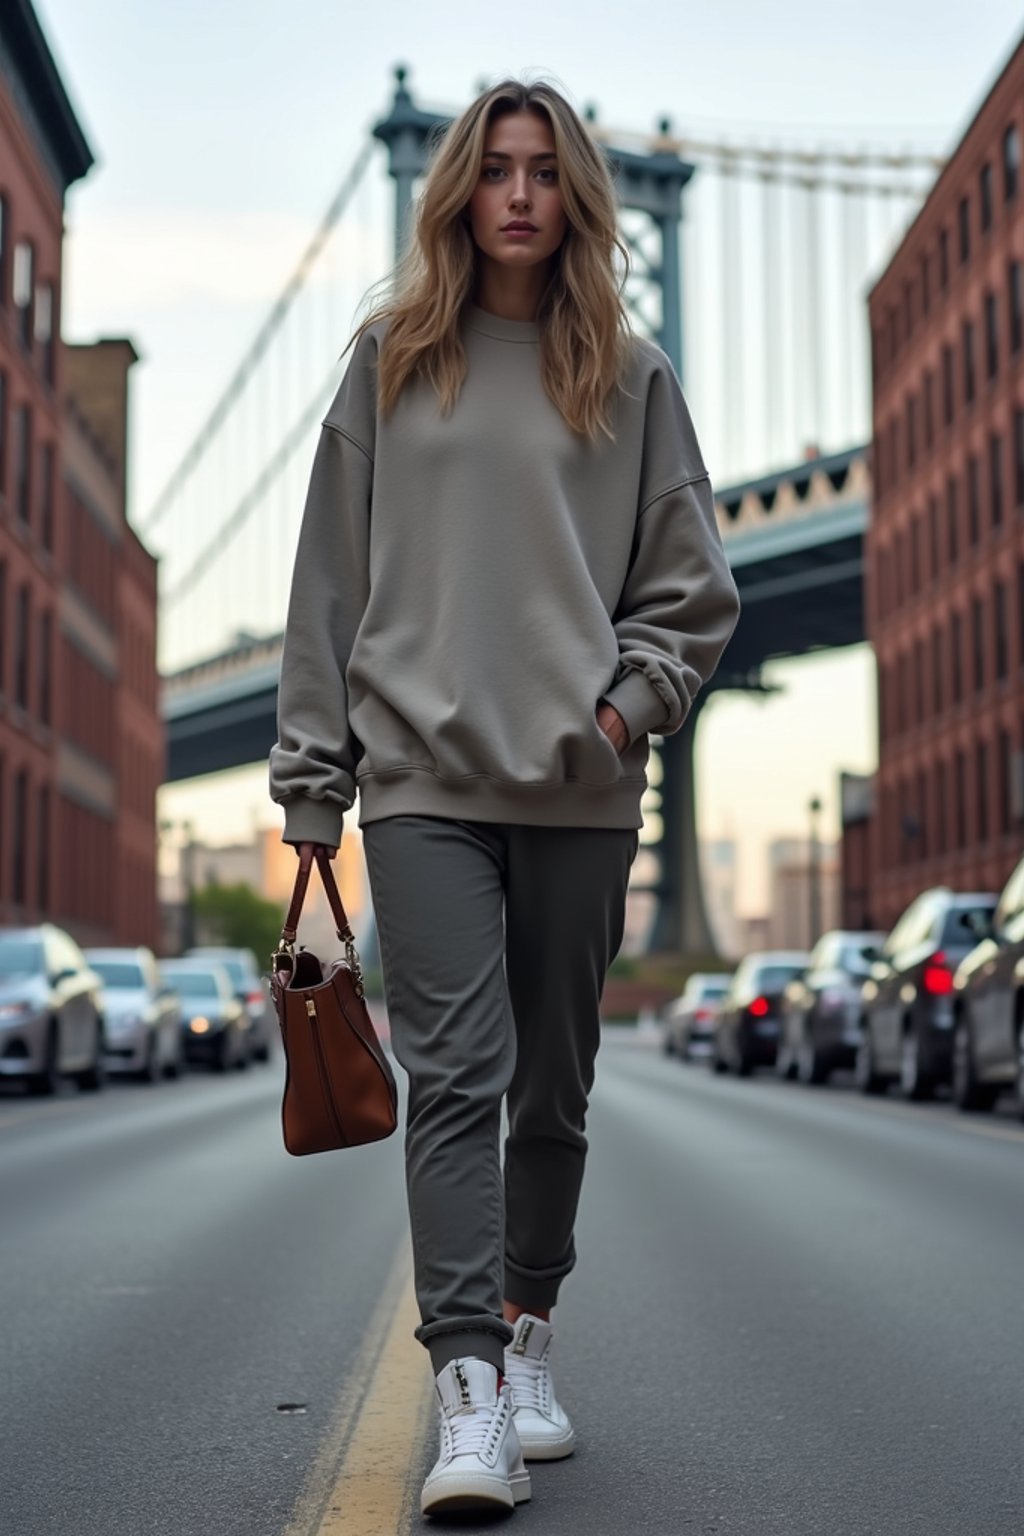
x,y
988,1006
747,1028
142,1014
51,1010
820,1025
251,989
215,1026
907,1001
688,1022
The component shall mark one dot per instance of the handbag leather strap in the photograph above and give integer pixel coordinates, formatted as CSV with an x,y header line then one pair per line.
x,y
323,863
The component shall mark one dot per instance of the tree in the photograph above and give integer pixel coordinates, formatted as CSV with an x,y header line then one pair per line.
x,y
237,916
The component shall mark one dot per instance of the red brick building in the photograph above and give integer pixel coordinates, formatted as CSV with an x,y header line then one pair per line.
x,y
81,743
945,553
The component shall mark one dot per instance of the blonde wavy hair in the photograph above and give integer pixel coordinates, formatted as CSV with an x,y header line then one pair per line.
x,y
584,325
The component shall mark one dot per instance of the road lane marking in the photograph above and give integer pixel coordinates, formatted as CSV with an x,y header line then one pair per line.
x,y
361,1480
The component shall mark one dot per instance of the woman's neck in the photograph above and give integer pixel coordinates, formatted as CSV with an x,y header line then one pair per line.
x,y
511,295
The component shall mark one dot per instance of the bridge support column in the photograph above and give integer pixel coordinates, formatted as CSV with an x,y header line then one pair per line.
x,y
681,923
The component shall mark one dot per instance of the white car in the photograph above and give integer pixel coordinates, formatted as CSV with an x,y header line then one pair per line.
x,y
143,1014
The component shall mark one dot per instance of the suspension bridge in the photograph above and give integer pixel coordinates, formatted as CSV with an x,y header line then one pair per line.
x,y
749,264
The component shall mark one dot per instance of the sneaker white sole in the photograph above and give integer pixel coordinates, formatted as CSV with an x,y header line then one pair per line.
x,y
543,1447
467,1492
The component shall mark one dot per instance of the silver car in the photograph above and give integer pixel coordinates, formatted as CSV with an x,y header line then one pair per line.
x,y
688,1021
51,1010
143,1014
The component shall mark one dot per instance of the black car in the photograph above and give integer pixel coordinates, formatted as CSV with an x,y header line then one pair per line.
x,y
988,1007
820,1027
747,1029
907,1002
215,1026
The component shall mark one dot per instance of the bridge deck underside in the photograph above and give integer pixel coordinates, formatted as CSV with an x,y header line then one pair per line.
x,y
791,604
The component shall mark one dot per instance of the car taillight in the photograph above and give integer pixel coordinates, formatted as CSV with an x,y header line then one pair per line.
x,y
759,1007
938,978
701,1015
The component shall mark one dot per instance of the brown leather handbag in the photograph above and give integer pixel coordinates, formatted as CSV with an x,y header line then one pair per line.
x,y
339,1090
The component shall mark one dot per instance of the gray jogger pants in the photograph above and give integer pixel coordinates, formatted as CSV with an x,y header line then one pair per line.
x,y
495,942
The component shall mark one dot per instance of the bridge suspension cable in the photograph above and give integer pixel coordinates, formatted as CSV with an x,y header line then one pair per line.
x,y
207,433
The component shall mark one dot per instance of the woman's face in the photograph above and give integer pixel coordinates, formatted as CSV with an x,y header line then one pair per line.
x,y
518,184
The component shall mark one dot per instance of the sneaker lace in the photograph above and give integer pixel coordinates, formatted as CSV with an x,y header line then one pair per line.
x,y
524,1377
471,1429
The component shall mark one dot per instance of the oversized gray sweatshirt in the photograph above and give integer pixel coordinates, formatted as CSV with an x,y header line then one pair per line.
x,y
468,589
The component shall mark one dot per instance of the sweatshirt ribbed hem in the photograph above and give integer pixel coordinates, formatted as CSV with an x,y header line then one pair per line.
x,y
419,792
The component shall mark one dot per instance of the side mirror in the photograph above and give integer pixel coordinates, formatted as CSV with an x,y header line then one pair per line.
x,y
980,924
871,953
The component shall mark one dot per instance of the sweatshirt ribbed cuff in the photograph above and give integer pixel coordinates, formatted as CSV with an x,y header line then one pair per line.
x,y
638,702
312,821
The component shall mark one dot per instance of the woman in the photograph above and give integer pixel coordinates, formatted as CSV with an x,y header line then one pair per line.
x,y
508,574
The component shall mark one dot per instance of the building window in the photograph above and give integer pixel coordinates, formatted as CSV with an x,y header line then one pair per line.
x,y
925,282
1018,457
1011,162
24,285
919,710
952,517
999,616
929,408
973,499
967,337
995,478
958,658
985,195
46,494
933,532
937,670
941,803
1015,287
915,554
964,226
943,259
44,328
911,430
960,797
1005,780
19,837
23,462
981,788
22,619
3,435
45,667
978,641
947,385
43,850
5,250
894,452
991,336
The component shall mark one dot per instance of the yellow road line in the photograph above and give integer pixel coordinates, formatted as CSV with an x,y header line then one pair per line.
x,y
361,1483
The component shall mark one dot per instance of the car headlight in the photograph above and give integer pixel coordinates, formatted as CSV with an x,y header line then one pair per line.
x,y
11,1011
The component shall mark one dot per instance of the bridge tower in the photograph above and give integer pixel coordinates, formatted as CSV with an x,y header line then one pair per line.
x,y
651,184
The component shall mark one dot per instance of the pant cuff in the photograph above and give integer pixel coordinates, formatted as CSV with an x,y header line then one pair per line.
x,y
531,1290
447,1342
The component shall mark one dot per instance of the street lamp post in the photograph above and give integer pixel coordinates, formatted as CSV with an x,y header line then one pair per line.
x,y
814,874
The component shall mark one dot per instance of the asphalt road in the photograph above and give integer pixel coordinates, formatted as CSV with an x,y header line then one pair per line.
x,y
795,1313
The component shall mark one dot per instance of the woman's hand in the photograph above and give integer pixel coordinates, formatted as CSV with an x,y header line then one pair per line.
x,y
313,847
614,727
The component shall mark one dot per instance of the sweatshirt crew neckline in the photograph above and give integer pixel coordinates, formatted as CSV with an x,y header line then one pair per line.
x,y
501,329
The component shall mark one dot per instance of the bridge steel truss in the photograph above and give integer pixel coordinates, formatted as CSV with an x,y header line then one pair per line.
x,y
651,184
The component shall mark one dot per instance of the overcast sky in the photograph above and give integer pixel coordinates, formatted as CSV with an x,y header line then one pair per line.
x,y
221,130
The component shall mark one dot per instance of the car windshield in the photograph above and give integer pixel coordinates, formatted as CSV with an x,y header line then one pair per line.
x,y
119,973
854,960
717,987
956,931
193,983
772,978
235,969
20,957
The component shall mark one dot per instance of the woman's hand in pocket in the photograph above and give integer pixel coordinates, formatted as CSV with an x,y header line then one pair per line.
x,y
614,727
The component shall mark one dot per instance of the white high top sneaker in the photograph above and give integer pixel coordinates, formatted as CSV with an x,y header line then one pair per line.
x,y
545,1433
481,1463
